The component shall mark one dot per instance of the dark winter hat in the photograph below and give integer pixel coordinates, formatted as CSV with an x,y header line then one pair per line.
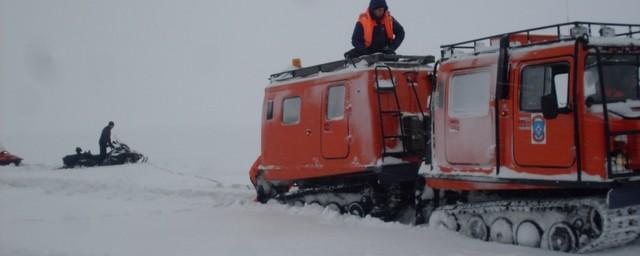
x,y
375,4
111,123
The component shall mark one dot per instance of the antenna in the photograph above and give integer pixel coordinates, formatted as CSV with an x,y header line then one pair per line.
x,y
567,10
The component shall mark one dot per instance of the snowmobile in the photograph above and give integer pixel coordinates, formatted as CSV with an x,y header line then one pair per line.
x,y
120,154
7,158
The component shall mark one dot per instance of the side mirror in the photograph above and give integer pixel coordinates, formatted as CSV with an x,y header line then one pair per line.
x,y
549,104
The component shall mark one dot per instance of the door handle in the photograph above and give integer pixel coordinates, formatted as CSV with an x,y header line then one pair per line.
x,y
327,126
454,125
307,132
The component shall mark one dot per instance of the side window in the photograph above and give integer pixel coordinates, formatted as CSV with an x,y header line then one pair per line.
x,y
269,113
335,103
291,110
533,88
541,80
469,95
561,82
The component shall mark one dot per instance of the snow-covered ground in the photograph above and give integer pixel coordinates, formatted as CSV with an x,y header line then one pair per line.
x,y
147,209
183,80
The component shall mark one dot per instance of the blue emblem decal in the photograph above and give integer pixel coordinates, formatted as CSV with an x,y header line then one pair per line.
x,y
538,129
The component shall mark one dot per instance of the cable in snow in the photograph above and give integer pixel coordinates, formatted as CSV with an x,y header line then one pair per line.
x,y
217,182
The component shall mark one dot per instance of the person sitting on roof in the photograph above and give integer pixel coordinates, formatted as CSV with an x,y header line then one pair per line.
x,y
376,32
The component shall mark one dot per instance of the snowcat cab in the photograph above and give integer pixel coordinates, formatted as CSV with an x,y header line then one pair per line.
x,y
543,118
345,126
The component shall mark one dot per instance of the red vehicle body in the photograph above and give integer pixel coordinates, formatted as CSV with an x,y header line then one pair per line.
x,y
572,144
337,130
535,135
7,158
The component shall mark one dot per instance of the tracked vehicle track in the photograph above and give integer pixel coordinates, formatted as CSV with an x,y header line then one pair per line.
x,y
580,225
389,204
354,199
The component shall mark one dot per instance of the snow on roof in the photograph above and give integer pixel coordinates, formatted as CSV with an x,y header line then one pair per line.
x,y
547,35
541,47
359,64
286,78
595,41
463,55
614,41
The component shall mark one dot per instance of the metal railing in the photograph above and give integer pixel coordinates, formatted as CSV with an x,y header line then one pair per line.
x,y
540,36
398,61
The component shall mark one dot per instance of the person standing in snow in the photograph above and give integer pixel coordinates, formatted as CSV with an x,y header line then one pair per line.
x,y
376,32
105,140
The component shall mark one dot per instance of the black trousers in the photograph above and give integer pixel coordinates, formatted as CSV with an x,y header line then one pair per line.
x,y
355,53
103,151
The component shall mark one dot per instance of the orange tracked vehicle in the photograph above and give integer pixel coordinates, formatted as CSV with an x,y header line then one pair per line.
x,y
529,138
355,126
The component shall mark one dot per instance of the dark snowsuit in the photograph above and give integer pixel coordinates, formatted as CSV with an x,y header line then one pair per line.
x,y
380,43
105,141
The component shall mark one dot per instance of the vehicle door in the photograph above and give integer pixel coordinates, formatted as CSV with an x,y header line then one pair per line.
x,y
538,141
469,128
335,121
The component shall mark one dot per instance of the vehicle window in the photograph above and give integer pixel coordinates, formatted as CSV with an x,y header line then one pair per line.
x,y
541,80
533,88
335,103
561,82
269,109
291,110
469,95
620,76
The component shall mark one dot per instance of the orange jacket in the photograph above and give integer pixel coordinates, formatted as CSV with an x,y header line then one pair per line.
x,y
368,23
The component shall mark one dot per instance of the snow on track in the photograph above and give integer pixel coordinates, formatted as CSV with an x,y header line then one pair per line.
x,y
146,209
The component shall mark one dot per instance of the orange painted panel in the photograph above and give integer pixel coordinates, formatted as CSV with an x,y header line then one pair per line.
x,y
335,126
321,145
540,142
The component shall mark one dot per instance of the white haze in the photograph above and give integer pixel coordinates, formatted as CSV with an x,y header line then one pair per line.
x,y
188,76
183,80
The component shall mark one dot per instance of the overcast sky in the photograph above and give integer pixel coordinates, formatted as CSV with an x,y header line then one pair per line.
x,y
73,65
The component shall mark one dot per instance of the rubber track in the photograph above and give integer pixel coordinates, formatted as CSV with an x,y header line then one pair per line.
x,y
619,227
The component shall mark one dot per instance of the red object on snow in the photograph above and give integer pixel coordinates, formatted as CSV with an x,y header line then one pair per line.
x,y
7,158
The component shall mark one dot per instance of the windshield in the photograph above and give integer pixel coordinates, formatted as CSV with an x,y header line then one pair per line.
x,y
620,79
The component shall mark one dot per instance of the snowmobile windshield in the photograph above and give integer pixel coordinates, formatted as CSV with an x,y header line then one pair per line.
x,y
620,78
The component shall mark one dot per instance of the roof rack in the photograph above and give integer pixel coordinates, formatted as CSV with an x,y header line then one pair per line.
x,y
391,60
542,35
